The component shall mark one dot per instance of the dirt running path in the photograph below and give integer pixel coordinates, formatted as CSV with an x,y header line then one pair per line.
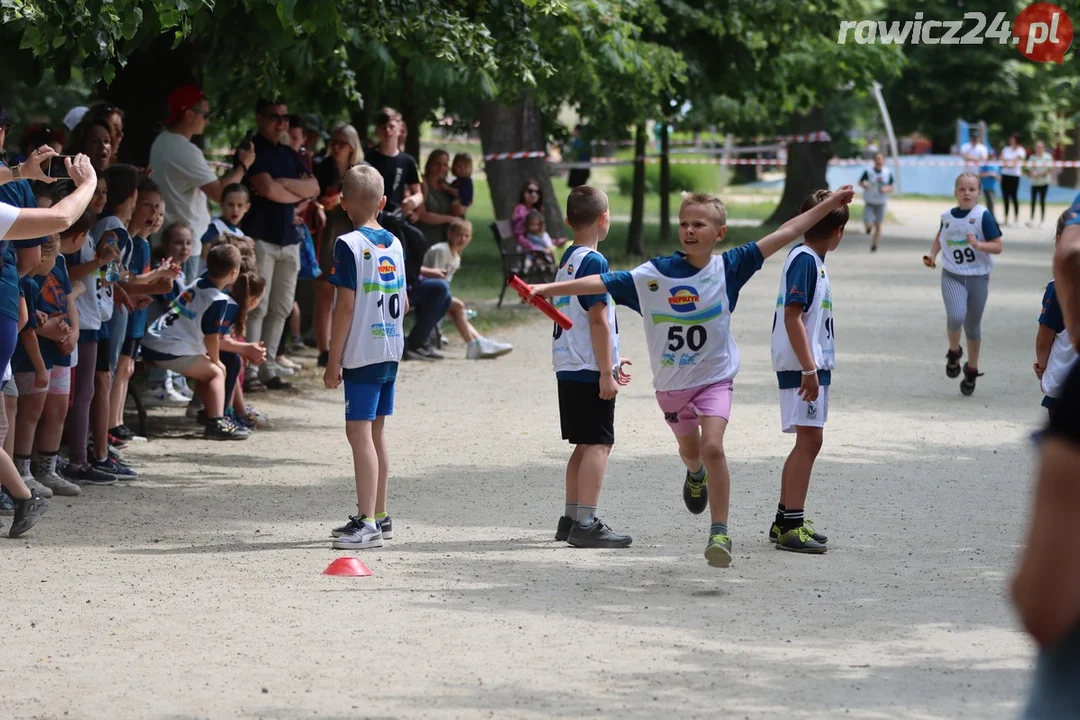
x,y
195,591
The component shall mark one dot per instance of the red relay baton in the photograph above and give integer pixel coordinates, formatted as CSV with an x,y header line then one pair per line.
x,y
523,289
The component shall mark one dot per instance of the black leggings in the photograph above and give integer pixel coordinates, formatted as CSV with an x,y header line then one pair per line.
x,y
1010,184
1039,191
232,364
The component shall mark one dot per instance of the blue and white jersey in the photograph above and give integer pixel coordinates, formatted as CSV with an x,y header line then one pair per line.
x,y
201,309
686,312
805,281
572,352
876,179
1062,353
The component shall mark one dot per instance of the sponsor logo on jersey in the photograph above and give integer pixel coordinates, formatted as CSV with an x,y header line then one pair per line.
x,y
971,221
684,299
384,330
811,411
688,359
653,286
667,360
387,269
570,268
367,254
946,224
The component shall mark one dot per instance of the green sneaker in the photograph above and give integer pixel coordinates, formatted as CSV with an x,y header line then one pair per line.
x,y
718,551
695,494
800,540
774,532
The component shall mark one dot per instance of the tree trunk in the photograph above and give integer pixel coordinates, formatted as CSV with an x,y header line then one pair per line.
x,y
806,167
1068,176
517,128
665,184
635,237
411,112
141,88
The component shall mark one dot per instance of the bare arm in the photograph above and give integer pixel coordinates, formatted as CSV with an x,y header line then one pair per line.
x,y
1046,588
339,332
40,222
589,285
600,335
799,224
414,198
1044,342
430,218
935,247
213,347
213,189
271,189
1067,279
307,187
28,259
156,286
989,246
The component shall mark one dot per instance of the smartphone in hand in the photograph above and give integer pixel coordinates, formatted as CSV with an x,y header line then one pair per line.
x,y
57,168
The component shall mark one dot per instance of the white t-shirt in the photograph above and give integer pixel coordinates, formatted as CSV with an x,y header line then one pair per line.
x,y
974,156
180,170
8,213
439,255
1011,154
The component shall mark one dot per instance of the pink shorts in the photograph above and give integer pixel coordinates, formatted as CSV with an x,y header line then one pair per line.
x,y
682,408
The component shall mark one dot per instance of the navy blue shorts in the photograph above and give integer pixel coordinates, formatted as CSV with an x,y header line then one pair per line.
x,y
366,401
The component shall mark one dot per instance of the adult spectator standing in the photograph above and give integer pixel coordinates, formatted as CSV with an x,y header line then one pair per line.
x,y
182,172
1012,161
428,294
579,152
1038,168
974,153
279,181
439,208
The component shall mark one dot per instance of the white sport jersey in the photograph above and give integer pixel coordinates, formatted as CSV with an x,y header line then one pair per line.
x,y
876,179
687,326
87,303
107,224
179,331
818,320
376,332
572,350
1058,365
957,256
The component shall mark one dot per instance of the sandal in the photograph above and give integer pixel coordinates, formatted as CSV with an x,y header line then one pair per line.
x,y
967,385
253,386
952,363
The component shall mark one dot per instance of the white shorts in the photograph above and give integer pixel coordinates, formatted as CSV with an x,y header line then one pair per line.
x,y
59,382
796,412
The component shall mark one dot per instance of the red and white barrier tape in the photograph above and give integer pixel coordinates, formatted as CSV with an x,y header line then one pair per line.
x,y
776,162
516,155
818,136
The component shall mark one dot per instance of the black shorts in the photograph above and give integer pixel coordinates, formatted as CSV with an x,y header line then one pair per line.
x,y
130,348
104,345
585,418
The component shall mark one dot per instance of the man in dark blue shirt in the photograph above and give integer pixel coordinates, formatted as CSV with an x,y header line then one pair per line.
x,y
278,180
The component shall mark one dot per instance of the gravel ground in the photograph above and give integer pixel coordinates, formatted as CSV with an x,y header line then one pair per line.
x,y
196,591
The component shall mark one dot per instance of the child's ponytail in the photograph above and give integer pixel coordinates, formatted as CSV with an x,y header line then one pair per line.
x,y
248,285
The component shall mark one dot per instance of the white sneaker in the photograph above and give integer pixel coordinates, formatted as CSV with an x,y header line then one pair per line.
x,y
158,397
484,349
59,486
362,538
283,361
285,371
33,484
183,390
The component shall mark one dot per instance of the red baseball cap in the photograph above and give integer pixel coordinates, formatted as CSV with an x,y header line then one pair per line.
x,y
183,99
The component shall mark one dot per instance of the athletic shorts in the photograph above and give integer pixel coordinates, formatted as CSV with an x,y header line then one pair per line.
x,y
180,364
131,347
59,382
873,215
682,408
796,412
104,356
586,418
366,401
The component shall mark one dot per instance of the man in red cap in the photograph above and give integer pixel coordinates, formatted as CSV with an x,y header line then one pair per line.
x,y
186,180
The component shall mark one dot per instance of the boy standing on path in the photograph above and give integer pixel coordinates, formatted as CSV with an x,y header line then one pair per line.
x,y
803,356
589,372
366,345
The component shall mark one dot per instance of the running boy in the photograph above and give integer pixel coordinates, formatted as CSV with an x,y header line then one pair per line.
x,y
366,344
803,356
686,300
967,237
877,183
1054,353
588,370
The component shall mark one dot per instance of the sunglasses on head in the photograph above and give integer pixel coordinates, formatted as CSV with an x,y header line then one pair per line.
x,y
276,118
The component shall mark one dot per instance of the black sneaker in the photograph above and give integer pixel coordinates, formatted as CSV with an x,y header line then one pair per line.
x,y
411,354
27,513
114,467
563,532
324,359
122,432
276,383
800,540
431,354
88,475
387,527
952,363
597,535
774,532
223,429
201,418
350,527
696,494
967,385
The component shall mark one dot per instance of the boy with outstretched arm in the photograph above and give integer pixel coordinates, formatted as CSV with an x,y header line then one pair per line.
x,y
366,344
589,371
803,356
686,301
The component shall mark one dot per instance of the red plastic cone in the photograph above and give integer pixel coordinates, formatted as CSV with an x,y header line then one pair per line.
x,y
347,567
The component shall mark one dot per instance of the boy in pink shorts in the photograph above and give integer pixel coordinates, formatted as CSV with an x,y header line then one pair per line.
x,y
686,300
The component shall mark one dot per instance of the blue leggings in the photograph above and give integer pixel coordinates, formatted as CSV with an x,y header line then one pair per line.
x,y
9,337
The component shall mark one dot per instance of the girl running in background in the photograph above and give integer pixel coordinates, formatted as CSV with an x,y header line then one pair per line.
x,y
967,238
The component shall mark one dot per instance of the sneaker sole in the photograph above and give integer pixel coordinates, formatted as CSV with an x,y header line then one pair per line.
x,y
604,545
388,536
102,483
339,545
717,556
803,551
65,491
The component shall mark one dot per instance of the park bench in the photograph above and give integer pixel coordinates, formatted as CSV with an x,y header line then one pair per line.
x,y
532,267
